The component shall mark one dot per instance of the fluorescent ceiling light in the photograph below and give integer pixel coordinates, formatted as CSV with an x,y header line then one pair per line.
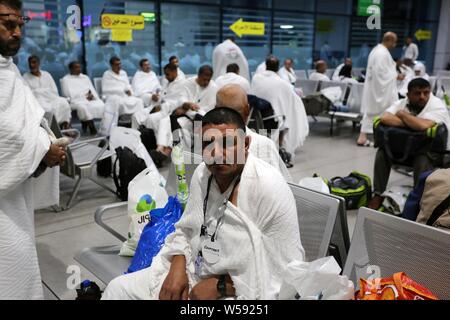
x,y
287,26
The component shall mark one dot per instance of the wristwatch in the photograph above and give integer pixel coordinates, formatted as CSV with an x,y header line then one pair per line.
x,y
222,286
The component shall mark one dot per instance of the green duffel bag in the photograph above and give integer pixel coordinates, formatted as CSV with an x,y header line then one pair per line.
x,y
356,189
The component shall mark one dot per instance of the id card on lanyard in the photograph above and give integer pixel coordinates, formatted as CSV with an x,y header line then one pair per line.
x,y
210,247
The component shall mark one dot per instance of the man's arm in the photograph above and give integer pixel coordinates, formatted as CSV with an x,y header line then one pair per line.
x,y
176,284
415,123
391,120
207,289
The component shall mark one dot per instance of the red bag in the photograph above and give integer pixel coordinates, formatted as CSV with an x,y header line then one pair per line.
x,y
398,287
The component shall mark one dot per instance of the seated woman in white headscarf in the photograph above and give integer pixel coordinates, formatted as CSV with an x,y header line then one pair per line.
x,y
145,84
44,89
83,97
119,96
236,235
421,71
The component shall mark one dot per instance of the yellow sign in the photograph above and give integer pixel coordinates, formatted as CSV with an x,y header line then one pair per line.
x,y
241,28
423,34
122,21
122,35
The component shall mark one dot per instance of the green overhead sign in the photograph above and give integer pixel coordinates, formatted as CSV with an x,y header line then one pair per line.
x,y
363,5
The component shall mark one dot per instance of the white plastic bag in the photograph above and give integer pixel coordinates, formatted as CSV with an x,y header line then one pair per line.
x,y
145,193
317,280
395,199
315,183
333,94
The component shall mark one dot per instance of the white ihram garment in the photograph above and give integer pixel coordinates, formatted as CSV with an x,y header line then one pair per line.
x,y
233,78
380,88
45,90
227,53
76,89
114,87
269,86
144,85
258,238
23,144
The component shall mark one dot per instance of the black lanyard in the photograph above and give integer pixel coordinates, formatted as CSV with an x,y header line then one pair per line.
x,y
205,204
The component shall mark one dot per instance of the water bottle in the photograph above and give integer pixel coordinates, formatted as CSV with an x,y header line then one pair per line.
x,y
446,99
180,171
89,290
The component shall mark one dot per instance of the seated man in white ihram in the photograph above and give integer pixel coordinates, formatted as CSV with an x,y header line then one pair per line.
x,y
44,89
198,96
320,73
285,102
156,119
233,77
227,53
119,96
236,235
83,97
287,72
234,97
26,149
146,84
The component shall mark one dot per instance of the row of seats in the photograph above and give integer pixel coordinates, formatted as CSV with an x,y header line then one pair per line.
x,y
380,242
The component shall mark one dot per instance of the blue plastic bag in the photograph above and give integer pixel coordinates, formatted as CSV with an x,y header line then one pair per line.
x,y
153,236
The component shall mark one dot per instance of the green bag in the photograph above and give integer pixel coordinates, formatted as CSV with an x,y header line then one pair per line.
x,y
356,189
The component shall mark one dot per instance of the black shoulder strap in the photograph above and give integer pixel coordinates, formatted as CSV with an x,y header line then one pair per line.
x,y
439,211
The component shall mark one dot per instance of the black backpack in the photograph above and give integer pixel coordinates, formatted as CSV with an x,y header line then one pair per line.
x,y
148,138
401,144
130,166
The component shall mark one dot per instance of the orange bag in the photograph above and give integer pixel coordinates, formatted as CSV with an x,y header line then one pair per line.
x,y
399,287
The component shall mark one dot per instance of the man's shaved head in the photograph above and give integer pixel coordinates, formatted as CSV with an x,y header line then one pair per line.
x,y
390,40
234,97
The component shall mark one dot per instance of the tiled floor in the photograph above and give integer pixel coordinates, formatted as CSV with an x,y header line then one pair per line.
x,y
61,235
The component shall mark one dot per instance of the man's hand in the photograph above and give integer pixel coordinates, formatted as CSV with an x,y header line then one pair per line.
x,y
90,96
155,97
176,284
55,156
128,92
402,114
401,77
205,290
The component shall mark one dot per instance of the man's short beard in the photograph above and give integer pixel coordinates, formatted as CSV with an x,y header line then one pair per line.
x,y
7,51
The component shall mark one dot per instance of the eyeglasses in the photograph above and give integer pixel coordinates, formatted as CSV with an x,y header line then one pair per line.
x,y
13,21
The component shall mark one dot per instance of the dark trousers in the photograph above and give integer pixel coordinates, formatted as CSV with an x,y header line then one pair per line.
x,y
382,169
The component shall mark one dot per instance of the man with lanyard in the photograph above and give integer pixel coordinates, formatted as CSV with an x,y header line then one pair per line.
x,y
238,232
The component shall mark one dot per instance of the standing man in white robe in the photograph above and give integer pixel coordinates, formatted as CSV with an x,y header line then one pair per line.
x,y
83,97
410,50
44,89
25,146
243,218
226,53
320,73
145,84
285,102
287,72
119,96
233,77
234,97
380,88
